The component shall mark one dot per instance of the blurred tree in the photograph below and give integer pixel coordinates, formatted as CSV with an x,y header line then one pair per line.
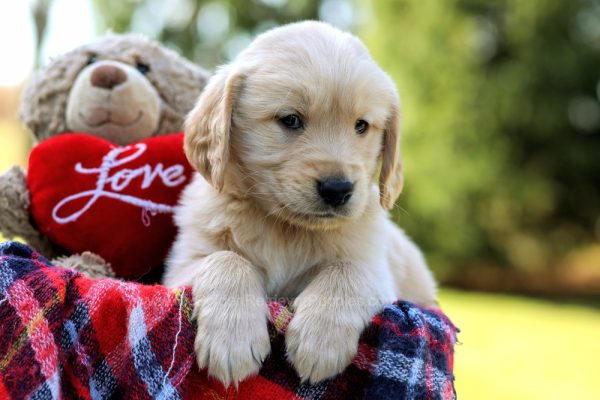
x,y
502,129
39,11
209,32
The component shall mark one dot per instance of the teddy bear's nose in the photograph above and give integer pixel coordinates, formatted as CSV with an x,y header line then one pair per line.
x,y
108,76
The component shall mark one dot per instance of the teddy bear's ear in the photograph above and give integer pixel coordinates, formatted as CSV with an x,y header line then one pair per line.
x,y
179,94
44,101
178,81
208,127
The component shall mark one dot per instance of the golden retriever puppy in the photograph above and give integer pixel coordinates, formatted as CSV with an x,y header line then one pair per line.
x,y
288,140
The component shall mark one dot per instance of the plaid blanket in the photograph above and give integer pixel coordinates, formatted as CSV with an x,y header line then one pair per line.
x,y
63,335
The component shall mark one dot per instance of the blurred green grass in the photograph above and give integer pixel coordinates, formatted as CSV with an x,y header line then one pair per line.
x,y
515,348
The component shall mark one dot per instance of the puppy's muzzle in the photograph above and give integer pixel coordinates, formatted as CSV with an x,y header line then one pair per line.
x,y
335,192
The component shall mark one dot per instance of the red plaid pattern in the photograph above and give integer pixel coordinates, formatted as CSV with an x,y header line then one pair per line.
x,y
67,336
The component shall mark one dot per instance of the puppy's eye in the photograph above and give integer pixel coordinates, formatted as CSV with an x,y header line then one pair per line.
x,y
92,59
292,121
143,68
361,126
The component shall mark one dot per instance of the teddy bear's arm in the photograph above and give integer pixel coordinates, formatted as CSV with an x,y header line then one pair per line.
x,y
15,221
14,213
89,264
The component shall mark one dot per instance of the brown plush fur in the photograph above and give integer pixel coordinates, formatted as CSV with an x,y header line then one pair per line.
x,y
14,212
87,263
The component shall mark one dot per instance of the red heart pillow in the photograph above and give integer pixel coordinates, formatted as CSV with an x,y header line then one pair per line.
x,y
90,194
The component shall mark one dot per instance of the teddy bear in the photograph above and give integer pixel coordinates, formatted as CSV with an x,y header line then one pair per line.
x,y
122,88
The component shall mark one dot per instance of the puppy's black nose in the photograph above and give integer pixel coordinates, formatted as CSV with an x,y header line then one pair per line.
x,y
335,192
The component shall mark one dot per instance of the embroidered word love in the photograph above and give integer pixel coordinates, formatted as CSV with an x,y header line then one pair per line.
x,y
111,182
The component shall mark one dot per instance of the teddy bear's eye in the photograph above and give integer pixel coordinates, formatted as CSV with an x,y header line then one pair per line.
x,y
92,59
143,68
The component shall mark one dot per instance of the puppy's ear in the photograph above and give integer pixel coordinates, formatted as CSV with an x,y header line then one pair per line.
x,y
208,127
391,179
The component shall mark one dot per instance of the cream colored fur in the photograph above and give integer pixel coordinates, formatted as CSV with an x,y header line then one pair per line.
x,y
252,225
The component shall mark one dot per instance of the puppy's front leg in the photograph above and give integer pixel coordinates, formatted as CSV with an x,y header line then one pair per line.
x,y
330,314
231,312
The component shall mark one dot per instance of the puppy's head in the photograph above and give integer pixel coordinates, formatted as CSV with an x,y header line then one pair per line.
x,y
300,121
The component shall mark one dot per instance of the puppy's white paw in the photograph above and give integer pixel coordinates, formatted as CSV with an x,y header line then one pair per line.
x,y
321,345
231,342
